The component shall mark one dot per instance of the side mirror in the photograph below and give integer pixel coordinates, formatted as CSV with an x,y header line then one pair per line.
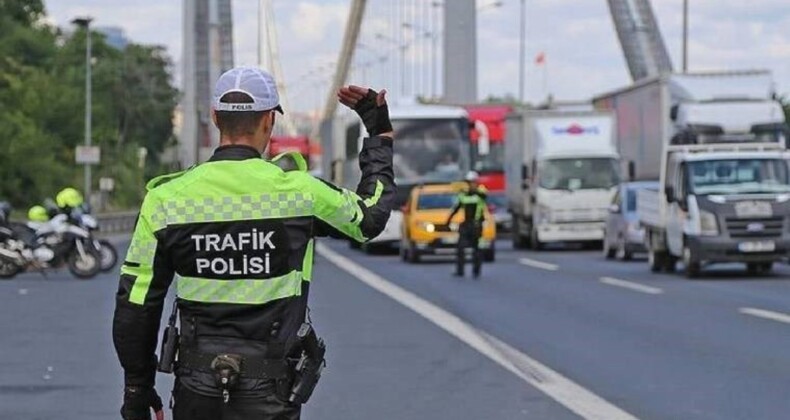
x,y
614,209
483,140
631,170
673,112
669,192
524,172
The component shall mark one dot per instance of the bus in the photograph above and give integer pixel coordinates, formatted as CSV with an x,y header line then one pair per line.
x,y
432,145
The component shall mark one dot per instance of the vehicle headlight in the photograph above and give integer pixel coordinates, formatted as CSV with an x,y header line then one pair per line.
x,y
707,223
427,226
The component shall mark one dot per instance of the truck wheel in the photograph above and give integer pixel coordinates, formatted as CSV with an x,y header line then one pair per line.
x,y
519,241
535,243
623,254
670,263
693,267
608,251
656,260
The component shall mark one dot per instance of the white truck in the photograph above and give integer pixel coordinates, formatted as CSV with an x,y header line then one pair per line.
x,y
717,144
561,173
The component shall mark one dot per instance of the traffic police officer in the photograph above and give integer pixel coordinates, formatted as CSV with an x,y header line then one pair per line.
x,y
239,233
473,201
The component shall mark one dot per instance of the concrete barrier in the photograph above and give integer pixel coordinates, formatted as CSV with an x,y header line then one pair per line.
x,y
118,222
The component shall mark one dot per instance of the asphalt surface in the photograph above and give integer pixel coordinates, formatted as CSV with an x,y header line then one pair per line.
x,y
656,346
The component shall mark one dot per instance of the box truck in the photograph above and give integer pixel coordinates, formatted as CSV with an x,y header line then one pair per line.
x,y
561,174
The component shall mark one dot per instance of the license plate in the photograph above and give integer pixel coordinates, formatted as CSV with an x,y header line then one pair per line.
x,y
450,240
757,246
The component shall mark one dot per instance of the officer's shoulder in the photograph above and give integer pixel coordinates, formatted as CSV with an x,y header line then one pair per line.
x,y
161,180
290,162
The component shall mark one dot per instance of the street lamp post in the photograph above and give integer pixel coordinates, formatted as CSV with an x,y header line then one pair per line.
x,y
85,23
685,35
434,56
522,54
401,60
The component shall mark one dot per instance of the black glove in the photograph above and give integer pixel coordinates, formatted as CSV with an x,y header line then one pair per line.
x,y
138,402
376,118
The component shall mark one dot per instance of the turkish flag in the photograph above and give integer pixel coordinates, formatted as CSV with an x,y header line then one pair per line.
x,y
540,59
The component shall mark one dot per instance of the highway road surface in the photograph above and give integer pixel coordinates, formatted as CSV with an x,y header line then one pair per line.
x,y
558,334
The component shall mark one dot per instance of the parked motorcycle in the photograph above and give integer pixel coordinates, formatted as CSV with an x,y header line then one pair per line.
x,y
109,255
46,245
81,216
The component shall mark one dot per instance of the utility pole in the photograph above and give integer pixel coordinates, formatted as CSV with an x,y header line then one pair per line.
x,y
522,53
85,23
685,35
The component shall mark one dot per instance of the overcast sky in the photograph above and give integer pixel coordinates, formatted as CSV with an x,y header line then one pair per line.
x,y
583,56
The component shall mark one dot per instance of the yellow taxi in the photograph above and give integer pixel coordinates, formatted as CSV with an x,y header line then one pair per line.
x,y
425,228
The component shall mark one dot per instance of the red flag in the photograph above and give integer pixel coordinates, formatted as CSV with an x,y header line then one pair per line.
x,y
540,59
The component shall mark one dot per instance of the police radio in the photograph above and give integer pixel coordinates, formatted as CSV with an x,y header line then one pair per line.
x,y
167,354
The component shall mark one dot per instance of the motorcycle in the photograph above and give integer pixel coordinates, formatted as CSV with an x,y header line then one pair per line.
x,y
109,255
46,245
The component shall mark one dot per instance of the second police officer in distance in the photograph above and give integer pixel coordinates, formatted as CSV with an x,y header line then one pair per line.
x,y
239,231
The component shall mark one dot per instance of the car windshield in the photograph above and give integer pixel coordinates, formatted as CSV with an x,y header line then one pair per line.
x,y
436,201
739,176
429,150
578,174
494,161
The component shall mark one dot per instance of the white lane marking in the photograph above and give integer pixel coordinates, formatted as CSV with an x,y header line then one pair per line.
x,y
766,314
611,281
538,264
566,392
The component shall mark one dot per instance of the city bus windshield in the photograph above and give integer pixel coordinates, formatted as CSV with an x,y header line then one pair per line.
x,y
578,174
428,150
739,176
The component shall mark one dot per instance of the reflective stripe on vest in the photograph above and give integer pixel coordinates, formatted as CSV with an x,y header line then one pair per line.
x,y
242,291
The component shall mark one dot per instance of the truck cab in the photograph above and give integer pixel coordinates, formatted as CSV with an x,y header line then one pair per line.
x,y
725,204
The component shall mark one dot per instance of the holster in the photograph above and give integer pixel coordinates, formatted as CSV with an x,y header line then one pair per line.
x,y
311,364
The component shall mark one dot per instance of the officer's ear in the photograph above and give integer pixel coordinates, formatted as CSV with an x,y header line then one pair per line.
x,y
267,122
214,117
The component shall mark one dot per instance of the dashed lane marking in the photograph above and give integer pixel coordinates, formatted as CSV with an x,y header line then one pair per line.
x,y
766,314
563,390
538,264
611,281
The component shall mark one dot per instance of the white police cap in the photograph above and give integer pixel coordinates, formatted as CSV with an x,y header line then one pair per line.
x,y
258,84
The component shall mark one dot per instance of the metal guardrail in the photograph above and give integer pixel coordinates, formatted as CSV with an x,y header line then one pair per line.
x,y
118,222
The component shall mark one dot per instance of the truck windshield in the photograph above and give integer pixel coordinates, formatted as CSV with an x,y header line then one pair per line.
x,y
493,162
578,174
429,150
436,201
739,176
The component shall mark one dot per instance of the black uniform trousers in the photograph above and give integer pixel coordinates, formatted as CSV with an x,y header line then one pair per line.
x,y
189,405
468,237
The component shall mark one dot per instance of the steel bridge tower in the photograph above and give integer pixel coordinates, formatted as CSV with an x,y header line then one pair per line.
x,y
208,51
641,40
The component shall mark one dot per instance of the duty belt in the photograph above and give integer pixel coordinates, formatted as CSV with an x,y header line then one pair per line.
x,y
252,367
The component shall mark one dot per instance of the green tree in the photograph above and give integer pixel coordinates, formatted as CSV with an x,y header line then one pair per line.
x,y
42,102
